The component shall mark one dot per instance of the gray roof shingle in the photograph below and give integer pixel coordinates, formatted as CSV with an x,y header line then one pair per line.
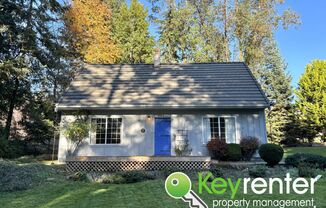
x,y
139,86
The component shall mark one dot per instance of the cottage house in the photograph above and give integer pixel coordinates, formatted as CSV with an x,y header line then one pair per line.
x,y
147,110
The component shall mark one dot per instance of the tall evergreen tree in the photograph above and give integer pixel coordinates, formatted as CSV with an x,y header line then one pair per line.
x,y
130,33
207,35
296,130
277,85
27,41
14,67
188,32
311,97
175,30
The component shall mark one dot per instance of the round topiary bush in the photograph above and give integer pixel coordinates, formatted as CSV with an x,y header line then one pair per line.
x,y
272,154
233,152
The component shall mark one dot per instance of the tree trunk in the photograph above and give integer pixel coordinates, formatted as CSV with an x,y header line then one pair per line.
x,y
12,103
226,40
55,96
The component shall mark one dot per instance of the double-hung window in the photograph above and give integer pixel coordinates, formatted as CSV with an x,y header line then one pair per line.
x,y
219,127
106,130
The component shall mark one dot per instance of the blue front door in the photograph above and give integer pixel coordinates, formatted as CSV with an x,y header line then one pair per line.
x,y
162,136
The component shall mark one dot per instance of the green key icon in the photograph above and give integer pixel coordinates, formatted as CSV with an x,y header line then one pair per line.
x,y
178,186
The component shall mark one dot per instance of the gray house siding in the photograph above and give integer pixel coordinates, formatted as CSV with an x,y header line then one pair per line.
x,y
133,142
137,143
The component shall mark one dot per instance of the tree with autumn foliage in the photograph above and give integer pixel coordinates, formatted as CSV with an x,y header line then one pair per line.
x,y
89,24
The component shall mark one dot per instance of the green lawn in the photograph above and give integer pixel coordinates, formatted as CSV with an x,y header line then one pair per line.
x,y
55,190
144,194
312,150
64,193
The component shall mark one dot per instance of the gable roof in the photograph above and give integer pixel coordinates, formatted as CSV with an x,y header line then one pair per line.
x,y
143,86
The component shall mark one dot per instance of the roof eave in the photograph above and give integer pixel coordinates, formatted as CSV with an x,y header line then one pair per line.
x,y
72,108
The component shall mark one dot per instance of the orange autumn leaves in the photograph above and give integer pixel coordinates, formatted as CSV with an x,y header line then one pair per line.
x,y
89,23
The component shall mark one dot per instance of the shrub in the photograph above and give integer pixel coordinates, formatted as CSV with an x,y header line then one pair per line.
x,y
136,176
216,173
306,171
257,171
169,170
3,148
217,148
11,149
78,176
182,148
249,145
306,158
115,178
76,132
291,142
233,152
127,177
272,154
16,148
14,177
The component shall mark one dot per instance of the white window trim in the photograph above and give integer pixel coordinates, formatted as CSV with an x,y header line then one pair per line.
x,y
219,127
106,117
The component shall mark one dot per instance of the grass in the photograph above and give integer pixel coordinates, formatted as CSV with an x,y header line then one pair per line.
x,y
311,150
82,194
65,193
144,194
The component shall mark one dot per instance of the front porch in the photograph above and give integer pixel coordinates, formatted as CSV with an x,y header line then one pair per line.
x,y
128,163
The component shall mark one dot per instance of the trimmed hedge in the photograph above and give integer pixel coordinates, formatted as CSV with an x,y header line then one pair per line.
x,y
233,152
272,154
317,161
